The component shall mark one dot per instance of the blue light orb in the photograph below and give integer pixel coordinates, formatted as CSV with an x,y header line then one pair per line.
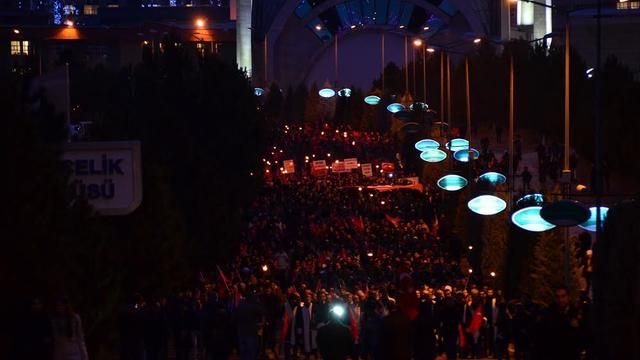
x,y
529,219
395,107
493,178
457,144
426,144
258,91
327,93
344,92
590,225
372,100
463,155
452,182
486,205
433,155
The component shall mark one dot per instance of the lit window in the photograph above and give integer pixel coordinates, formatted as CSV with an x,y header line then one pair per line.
x,y
25,47
91,9
15,48
524,13
628,5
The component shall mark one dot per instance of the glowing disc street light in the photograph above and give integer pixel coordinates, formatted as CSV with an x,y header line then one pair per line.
x,y
372,100
529,219
457,144
492,178
463,155
426,144
433,155
452,182
590,225
395,107
486,205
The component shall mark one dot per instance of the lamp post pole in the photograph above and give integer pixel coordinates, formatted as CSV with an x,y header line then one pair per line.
x,y
511,169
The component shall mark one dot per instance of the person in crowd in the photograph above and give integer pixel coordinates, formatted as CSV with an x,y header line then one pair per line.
x,y
315,244
68,334
250,318
334,339
33,334
560,328
396,334
526,179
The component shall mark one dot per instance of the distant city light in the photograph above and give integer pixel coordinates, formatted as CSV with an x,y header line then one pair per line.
x,y
318,27
369,254
477,40
493,274
353,26
425,28
452,182
470,271
470,247
401,26
265,268
16,31
431,50
68,23
529,219
200,22
417,42
487,205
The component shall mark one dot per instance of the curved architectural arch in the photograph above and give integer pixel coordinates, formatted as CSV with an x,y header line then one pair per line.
x,y
293,48
325,5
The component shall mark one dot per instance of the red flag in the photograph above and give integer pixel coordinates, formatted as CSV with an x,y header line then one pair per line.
x,y
366,290
224,278
394,220
353,324
285,326
476,320
318,285
358,223
462,339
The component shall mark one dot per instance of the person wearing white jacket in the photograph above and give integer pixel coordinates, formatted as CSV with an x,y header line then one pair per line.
x,y
68,336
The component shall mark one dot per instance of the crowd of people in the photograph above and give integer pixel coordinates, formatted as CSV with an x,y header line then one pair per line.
x,y
331,267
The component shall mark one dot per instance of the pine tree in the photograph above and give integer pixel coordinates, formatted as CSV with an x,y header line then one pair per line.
x,y
312,107
495,242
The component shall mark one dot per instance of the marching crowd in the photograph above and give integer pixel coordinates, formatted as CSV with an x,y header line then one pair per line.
x,y
331,268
